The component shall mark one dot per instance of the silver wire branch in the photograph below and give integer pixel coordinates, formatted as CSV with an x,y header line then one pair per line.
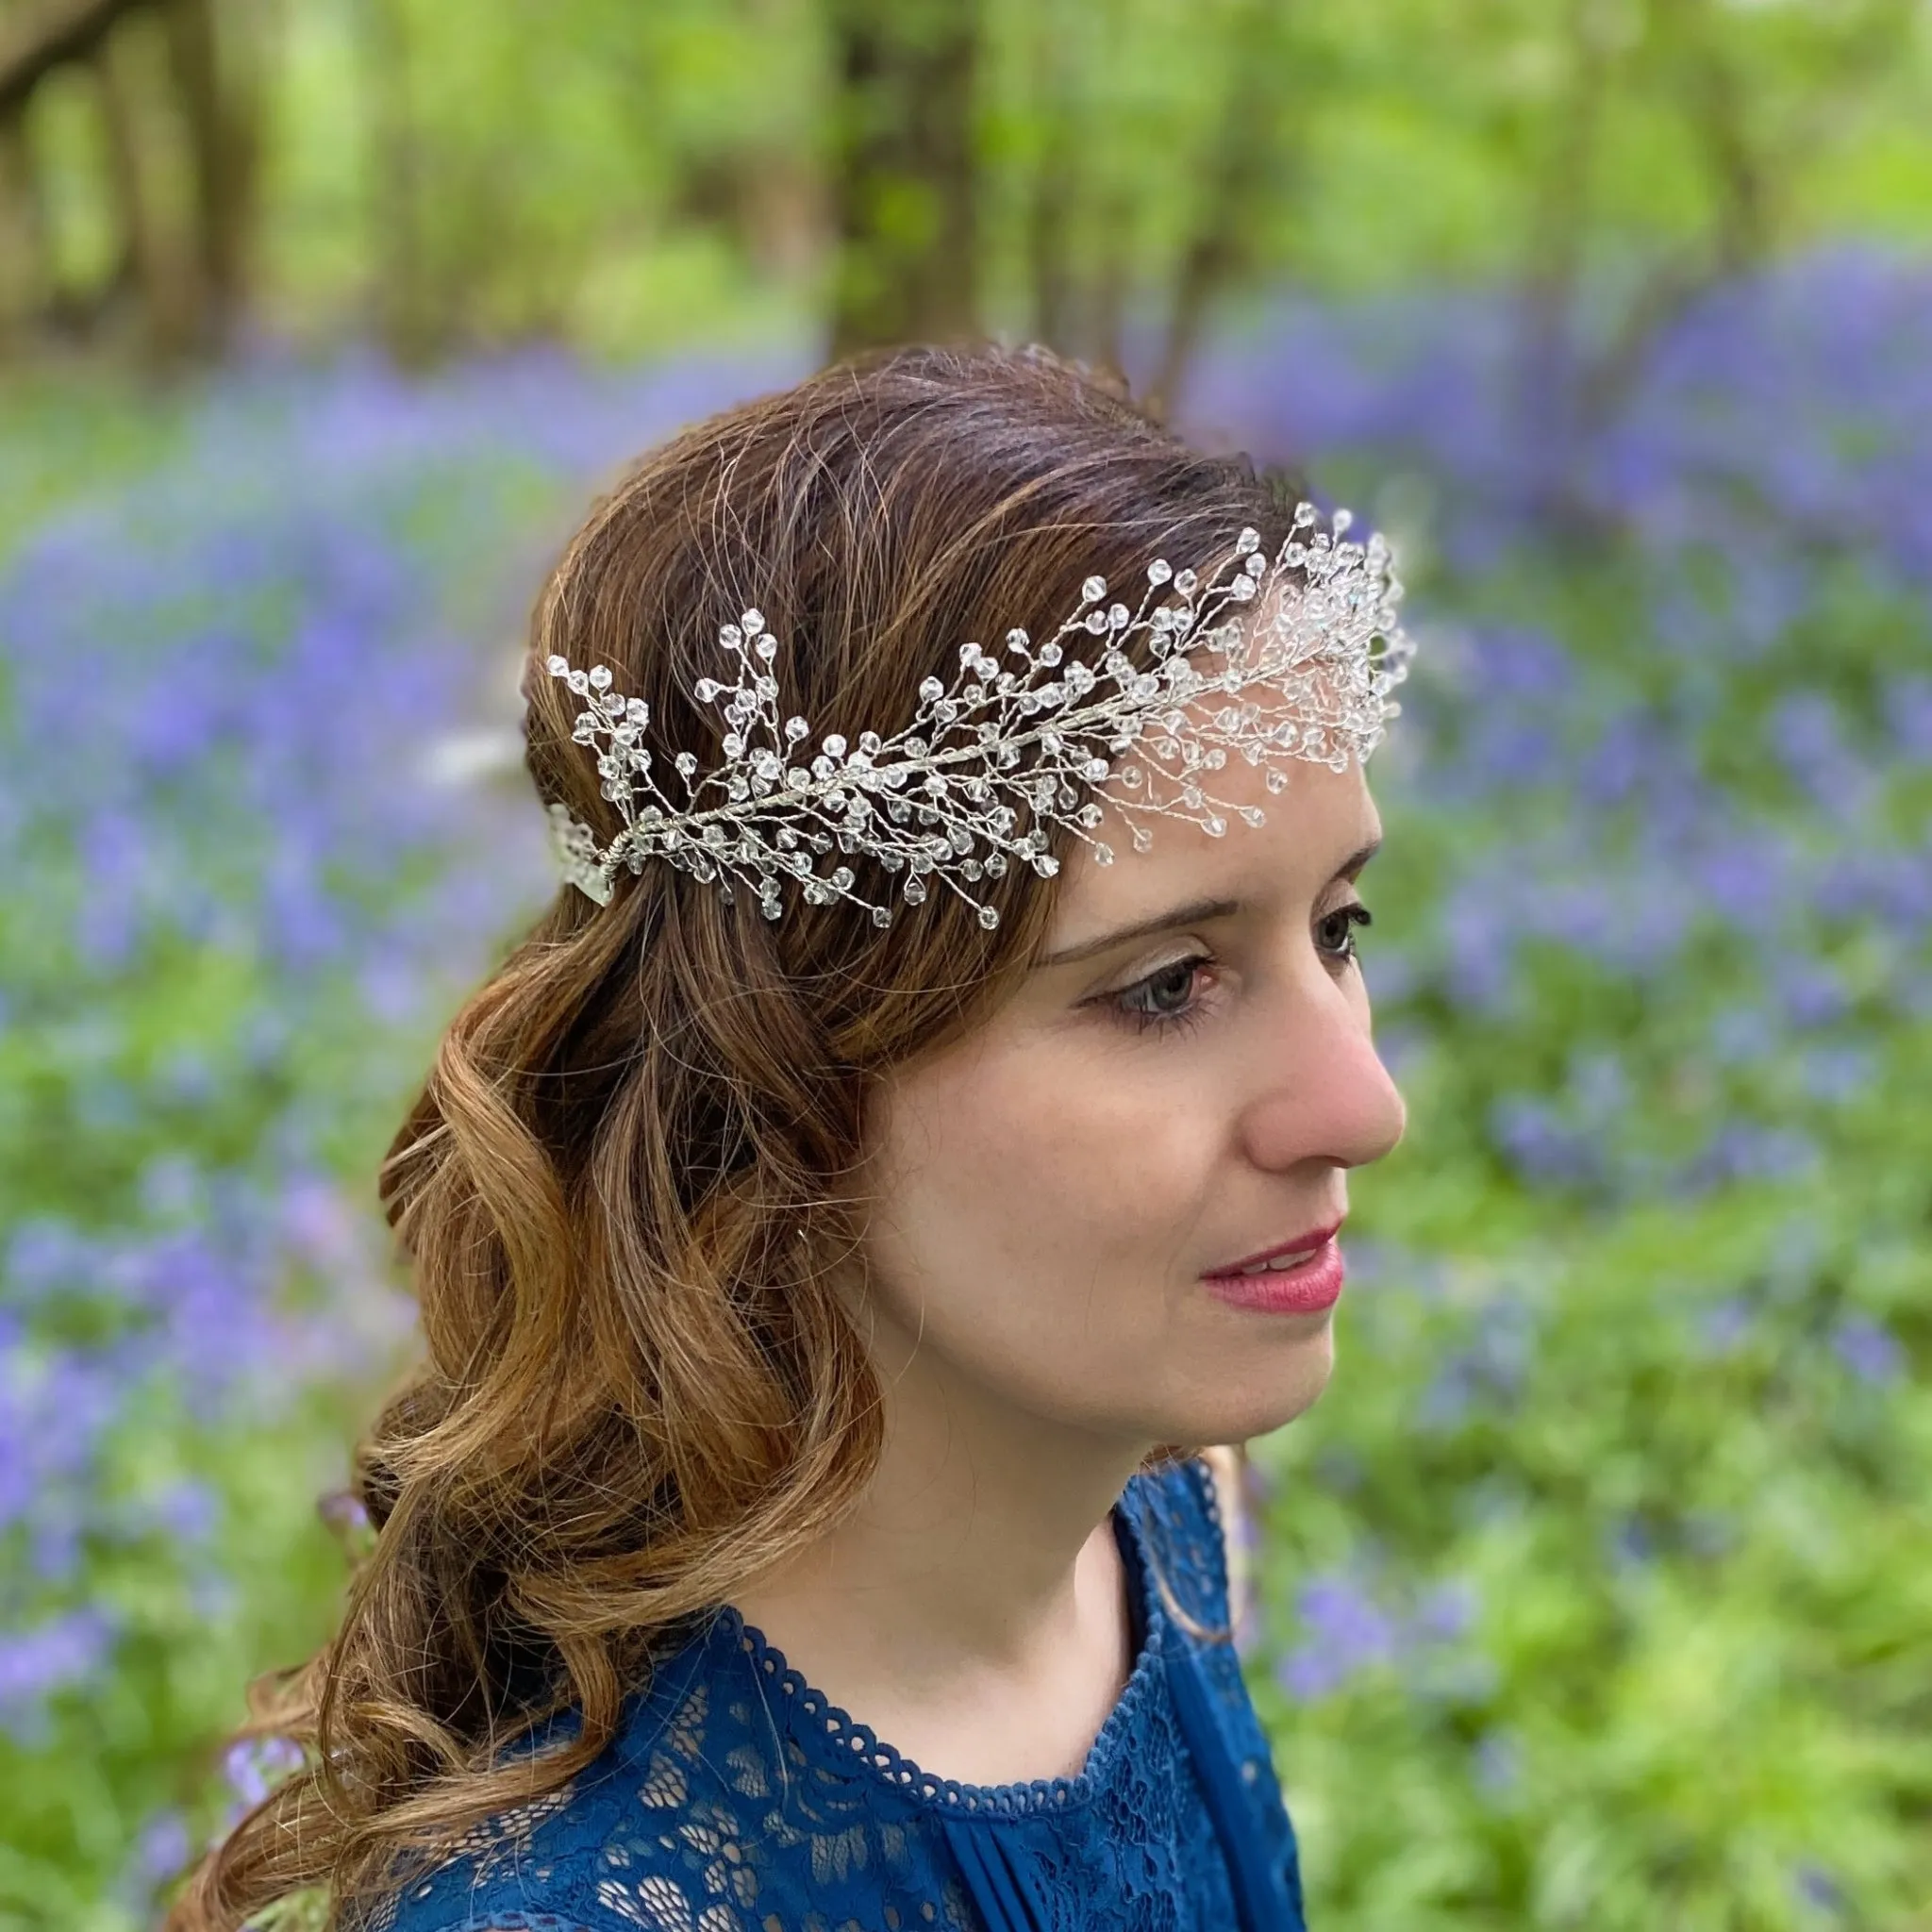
x,y
1307,647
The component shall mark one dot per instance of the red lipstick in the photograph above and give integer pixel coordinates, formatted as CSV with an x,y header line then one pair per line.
x,y
1310,1281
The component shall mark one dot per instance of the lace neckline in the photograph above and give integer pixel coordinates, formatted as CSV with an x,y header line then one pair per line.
x,y
831,1737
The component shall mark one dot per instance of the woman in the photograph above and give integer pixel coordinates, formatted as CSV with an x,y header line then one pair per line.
x,y
839,1220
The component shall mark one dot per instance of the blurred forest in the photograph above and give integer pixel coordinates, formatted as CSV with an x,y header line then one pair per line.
x,y
178,176
1593,1593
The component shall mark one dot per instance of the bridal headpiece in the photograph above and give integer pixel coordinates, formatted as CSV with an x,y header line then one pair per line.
x,y
991,763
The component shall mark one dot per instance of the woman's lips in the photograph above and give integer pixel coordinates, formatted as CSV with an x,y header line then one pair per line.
x,y
1311,1285
1301,1244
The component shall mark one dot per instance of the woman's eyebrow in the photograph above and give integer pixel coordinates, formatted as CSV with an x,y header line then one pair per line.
x,y
1356,859
1196,912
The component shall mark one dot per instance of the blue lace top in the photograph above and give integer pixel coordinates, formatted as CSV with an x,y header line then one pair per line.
x,y
735,1798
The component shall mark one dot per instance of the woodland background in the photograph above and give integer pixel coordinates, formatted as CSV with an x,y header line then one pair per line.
x,y
1595,1592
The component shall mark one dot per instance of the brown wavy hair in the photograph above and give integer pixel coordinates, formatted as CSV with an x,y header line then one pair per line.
x,y
638,1387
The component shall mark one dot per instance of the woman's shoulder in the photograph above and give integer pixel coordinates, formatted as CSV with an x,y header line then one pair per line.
x,y
731,1796
1180,1507
1189,1512
638,1837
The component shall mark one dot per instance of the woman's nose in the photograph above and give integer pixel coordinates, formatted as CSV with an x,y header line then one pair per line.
x,y
1322,1093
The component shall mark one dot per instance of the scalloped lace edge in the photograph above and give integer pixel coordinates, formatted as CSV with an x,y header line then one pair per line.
x,y
850,1743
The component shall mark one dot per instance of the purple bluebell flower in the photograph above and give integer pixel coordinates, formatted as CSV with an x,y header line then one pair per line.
x,y
1347,1631
1497,1767
1814,1884
162,1852
1744,1036
1908,709
1867,1347
1812,991
37,1663
1726,1327
1838,1072
253,1766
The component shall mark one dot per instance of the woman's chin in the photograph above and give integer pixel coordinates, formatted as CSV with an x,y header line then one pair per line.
x,y
1255,1398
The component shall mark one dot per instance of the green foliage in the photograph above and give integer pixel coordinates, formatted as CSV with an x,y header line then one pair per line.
x,y
1593,1590
142,1745
1698,1666
1629,1520
629,177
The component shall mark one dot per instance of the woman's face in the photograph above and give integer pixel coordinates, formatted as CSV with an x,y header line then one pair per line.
x,y
1181,1083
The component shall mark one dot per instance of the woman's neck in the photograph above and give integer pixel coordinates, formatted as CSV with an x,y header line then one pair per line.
x,y
974,1609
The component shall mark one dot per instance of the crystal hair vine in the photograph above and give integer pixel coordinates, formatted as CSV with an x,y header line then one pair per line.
x,y
942,799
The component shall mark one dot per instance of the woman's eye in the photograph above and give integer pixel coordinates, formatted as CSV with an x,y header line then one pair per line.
x,y
1335,935
1162,998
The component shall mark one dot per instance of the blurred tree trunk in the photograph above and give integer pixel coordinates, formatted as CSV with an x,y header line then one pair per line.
x,y
401,291
1752,170
151,266
904,186
220,102
757,187
42,40
184,264
1080,235
1242,174
1051,191
1553,268
1100,308
25,254
53,37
